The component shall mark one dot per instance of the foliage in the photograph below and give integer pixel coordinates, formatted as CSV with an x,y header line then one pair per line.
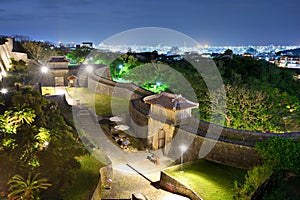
x,y
27,188
39,51
254,178
86,179
18,74
260,96
78,55
286,189
122,65
34,136
281,154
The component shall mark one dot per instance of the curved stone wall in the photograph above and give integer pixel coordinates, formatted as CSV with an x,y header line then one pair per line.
x,y
108,87
233,147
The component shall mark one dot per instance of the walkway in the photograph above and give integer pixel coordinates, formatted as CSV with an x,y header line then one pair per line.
x,y
126,181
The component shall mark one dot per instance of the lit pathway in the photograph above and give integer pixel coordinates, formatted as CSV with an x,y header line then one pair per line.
x,y
126,181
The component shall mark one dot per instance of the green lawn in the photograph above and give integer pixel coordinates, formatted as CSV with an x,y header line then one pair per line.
x,y
86,180
103,104
209,180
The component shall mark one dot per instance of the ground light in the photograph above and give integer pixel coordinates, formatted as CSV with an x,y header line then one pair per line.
x,y
182,149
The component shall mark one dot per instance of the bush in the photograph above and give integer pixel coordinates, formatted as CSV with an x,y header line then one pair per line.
x,y
254,178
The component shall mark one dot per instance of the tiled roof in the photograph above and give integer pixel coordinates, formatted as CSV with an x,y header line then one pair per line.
x,y
170,101
58,59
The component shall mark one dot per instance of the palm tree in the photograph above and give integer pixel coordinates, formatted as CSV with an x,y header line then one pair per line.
x,y
26,189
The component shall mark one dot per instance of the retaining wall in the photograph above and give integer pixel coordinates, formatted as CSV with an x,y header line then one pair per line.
x,y
172,185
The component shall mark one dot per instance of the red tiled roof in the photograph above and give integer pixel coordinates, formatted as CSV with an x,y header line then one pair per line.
x,y
170,101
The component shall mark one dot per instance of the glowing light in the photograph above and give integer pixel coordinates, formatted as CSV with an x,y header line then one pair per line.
x,y
44,69
46,143
158,84
120,66
183,148
4,90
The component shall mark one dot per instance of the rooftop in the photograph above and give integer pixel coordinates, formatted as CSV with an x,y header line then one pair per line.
x,y
170,101
58,59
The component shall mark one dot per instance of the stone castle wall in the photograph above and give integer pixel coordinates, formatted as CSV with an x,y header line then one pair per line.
x,y
105,86
6,53
230,146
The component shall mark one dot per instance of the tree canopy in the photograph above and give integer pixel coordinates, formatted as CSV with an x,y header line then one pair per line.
x,y
259,95
35,138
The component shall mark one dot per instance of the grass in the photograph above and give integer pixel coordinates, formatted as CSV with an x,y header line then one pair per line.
x,y
86,180
103,104
48,90
209,180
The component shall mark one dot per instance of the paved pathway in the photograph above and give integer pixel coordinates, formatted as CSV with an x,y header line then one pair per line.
x,y
125,181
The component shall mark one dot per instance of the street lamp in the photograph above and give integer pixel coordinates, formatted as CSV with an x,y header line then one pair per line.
x,y
183,149
4,90
44,69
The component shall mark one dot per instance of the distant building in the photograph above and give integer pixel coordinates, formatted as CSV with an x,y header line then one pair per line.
x,y
87,44
248,55
166,111
289,61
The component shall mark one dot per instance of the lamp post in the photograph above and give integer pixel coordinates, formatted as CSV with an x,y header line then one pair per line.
x,y
183,149
44,70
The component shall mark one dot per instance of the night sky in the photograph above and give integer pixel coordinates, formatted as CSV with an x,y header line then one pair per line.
x,y
213,22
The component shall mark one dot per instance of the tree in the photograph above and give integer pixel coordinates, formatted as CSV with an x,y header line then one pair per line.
x,y
18,74
79,54
39,51
123,64
281,154
35,137
253,179
280,158
27,188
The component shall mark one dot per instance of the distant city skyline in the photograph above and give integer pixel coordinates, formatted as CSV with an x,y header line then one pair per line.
x,y
214,22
